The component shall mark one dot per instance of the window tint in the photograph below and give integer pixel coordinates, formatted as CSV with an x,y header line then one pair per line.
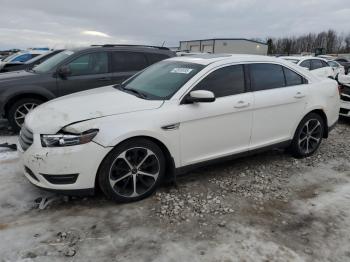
x,y
224,81
292,78
128,61
306,63
316,64
89,64
333,64
324,64
154,58
266,76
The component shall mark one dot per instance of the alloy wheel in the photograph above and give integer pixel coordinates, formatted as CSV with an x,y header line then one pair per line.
x,y
310,136
22,111
134,172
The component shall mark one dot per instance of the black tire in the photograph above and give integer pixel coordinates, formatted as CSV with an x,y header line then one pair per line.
x,y
11,116
305,143
117,165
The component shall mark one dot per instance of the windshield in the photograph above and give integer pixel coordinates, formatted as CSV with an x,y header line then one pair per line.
x,y
162,80
52,62
8,58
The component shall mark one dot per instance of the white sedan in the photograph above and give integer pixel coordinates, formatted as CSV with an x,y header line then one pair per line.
x,y
178,114
318,66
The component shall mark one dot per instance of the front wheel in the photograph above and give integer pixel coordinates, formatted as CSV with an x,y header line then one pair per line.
x,y
308,136
132,171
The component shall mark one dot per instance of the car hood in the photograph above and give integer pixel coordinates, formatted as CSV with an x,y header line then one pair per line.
x,y
52,116
15,76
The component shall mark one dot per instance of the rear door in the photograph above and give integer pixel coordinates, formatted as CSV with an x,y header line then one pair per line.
x,y
126,63
279,103
87,71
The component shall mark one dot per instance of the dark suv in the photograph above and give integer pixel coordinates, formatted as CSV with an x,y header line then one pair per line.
x,y
72,71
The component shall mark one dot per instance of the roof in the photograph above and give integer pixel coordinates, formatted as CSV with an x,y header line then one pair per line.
x,y
207,59
244,39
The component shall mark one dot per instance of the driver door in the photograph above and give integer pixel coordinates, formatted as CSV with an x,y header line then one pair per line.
x,y
219,128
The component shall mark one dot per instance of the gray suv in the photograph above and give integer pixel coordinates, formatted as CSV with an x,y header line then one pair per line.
x,y
72,71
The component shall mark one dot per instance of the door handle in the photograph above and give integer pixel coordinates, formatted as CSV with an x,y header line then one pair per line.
x,y
104,79
299,95
242,104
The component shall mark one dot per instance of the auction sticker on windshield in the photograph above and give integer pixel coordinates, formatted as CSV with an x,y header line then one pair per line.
x,y
181,70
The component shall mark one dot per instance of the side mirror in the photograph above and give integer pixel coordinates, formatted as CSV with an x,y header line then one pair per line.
x,y
306,68
200,96
64,71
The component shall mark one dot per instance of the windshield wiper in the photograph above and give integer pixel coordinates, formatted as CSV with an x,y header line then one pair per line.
x,y
133,90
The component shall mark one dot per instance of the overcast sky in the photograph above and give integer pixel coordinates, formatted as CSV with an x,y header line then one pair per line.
x,y
62,23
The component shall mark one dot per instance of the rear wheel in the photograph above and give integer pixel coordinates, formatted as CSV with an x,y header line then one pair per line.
x,y
308,136
19,110
132,171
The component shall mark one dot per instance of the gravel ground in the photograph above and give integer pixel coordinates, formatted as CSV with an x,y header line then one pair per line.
x,y
268,207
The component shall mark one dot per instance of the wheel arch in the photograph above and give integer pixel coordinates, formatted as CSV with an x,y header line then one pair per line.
x,y
170,174
19,96
323,115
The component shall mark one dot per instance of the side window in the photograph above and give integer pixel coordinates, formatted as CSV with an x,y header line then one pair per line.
x,y
324,64
154,58
292,78
225,81
89,64
306,63
316,64
266,76
128,61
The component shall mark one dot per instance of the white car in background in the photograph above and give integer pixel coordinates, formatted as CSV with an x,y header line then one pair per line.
x,y
337,68
175,115
318,66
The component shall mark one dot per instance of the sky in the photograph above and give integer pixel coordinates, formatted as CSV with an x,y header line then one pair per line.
x,y
71,23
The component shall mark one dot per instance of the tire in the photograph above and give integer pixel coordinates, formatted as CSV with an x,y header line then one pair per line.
x,y
23,105
308,136
128,162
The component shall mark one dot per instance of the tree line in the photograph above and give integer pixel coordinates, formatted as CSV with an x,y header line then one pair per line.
x,y
331,41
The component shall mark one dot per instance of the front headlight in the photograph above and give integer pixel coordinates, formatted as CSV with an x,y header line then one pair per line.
x,y
67,139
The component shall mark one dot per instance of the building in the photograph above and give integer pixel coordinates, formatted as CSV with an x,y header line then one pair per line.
x,y
225,45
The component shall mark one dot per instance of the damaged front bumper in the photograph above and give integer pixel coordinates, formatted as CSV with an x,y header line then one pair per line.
x,y
70,169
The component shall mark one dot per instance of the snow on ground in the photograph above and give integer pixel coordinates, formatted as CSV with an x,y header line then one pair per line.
x,y
268,207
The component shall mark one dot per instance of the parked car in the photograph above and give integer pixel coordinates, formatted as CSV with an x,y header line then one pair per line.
x,y
337,68
344,62
15,66
72,71
21,57
180,113
344,82
318,66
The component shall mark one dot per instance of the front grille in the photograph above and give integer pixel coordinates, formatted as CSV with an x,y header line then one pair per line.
x,y
345,97
25,138
61,179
